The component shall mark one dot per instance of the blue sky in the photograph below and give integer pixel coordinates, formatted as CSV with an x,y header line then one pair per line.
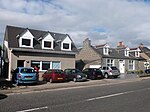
x,y
100,20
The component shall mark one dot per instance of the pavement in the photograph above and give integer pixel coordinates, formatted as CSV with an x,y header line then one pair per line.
x,y
8,88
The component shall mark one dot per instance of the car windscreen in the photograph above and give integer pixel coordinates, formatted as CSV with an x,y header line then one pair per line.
x,y
114,68
58,72
27,70
76,71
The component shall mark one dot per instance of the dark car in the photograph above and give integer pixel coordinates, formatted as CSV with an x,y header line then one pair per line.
x,y
147,71
75,75
54,75
24,75
93,73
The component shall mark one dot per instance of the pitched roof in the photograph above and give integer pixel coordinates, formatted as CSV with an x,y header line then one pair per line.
x,y
145,50
99,46
134,48
116,54
12,32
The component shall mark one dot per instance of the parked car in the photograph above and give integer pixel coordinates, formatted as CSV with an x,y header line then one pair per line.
x,y
54,75
75,75
147,71
24,75
110,71
93,73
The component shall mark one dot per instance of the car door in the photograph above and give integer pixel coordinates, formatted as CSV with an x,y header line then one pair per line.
x,y
68,74
87,72
49,74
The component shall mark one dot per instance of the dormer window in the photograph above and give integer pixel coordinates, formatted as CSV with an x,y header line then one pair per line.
x,y
26,39
126,52
137,54
47,42
66,44
105,49
26,42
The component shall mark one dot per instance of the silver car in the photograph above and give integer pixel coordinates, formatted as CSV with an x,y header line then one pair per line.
x,y
110,71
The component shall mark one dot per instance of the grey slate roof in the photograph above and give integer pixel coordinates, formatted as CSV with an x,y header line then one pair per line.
x,y
145,50
116,54
12,32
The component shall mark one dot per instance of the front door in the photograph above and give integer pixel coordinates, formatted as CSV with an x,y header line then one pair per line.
x,y
20,63
122,66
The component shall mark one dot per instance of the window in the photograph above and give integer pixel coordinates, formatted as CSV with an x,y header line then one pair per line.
x,y
45,65
110,62
126,53
47,44
27,70
105,50
49,71
58,71
131,65
65,46
26,42
104,68
56,65
137,54
35,63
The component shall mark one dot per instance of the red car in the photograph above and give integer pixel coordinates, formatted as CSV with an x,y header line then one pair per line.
x,y
54,75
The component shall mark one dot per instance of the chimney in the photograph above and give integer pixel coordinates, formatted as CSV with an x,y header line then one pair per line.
x,y
141,45
86,42
120,44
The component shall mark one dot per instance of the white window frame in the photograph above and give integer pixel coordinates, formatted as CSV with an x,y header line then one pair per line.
x,y
66,41
43,47
55,62
137,54
48,38
111,62
131,63
29,36
51,64
126,52
106,50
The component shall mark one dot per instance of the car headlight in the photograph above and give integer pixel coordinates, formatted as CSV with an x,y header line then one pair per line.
x,y
78,76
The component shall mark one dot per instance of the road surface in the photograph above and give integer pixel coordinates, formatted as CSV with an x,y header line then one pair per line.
x,y
124,97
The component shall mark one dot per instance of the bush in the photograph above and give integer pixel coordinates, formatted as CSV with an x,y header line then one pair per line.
x,y
135,72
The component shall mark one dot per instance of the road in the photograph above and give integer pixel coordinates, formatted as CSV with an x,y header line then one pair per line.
x,y
124,97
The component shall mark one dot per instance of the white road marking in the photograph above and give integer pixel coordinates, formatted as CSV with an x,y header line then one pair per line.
x,y
29,110
108,96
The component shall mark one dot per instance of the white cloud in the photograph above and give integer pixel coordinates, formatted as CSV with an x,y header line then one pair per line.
x,y
122,20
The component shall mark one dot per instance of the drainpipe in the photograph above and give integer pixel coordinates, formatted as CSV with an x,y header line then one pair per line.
x,y
9,61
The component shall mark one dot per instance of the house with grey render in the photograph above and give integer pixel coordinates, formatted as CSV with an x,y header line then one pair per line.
x,y
24,47
123,57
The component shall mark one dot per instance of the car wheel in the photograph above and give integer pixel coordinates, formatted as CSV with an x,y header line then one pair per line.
x,y
93,77
74,79
115,76
147,72
17,83
50,80
106,75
